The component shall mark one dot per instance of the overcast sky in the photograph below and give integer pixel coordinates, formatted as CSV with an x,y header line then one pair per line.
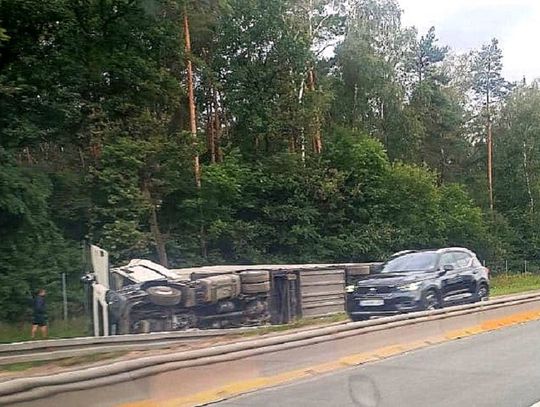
x,y
467,24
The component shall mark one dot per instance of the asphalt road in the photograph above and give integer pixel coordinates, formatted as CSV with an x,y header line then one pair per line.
x,y
499,368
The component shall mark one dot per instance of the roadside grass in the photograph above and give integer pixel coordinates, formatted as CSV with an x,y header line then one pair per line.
x,y
67,362
503,284
22,366
301,323
20,332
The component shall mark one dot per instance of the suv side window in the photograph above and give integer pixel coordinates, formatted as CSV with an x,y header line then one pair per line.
x,y
462,260
476,262
447,259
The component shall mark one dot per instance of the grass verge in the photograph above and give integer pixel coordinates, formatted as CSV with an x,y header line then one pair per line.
x,y
342,316
67,362
503,284
57,329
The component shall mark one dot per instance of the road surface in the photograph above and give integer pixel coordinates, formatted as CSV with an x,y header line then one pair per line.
x,y
499,368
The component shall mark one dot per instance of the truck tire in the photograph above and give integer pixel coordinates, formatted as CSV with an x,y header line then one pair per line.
x,y
164,295
254,276
253,288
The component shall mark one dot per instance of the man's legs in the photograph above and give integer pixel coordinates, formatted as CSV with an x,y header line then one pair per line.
x,y
34,329
44,331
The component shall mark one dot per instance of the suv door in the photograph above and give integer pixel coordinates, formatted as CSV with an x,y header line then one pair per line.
x,y
451,280
468,271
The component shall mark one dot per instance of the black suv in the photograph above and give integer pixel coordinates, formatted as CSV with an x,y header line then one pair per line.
x,y
419,280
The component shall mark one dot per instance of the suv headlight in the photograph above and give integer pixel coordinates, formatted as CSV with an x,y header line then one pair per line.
x,y
410,286
349,288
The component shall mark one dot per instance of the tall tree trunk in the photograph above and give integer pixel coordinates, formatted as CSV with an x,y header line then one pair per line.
x,y
527,178
317,138
210,130
193,127
490,163
442,173
191,101
216,128
219,129
154,227
489,143
302,128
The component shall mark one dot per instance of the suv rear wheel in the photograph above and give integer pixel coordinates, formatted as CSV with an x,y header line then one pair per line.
x,y
482,292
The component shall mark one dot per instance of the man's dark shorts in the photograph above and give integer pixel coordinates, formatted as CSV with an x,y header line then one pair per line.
x,y
39,320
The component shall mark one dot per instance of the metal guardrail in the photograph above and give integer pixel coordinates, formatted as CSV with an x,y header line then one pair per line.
x,y
54,349
24,389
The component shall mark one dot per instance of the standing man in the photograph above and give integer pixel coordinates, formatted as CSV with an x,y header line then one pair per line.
x,y
39,317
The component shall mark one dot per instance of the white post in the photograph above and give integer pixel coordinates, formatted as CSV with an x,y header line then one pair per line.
x,y
105,309
100,292
96,313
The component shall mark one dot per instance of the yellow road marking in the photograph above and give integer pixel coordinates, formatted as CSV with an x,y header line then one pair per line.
x,y
237,388
358,359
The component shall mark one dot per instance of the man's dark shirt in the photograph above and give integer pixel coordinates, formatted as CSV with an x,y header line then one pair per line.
x,y
40,308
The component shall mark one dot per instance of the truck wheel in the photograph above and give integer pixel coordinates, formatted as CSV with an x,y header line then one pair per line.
x,y
253,288
164,295
254,276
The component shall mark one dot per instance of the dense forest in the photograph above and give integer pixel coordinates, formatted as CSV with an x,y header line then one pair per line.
x,y
246,131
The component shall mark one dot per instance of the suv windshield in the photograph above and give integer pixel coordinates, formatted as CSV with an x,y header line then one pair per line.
x,y
411,262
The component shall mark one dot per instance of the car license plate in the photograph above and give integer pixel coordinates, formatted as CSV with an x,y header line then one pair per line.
x,y
371,303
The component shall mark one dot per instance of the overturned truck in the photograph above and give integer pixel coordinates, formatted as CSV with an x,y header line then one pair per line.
x,y
143,296
166,305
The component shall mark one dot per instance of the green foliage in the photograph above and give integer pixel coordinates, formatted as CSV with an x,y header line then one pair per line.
x,y
95,141
427,54
33,253
516,171
488,82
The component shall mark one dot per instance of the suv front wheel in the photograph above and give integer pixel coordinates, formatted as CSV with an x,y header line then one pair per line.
x,y
431,300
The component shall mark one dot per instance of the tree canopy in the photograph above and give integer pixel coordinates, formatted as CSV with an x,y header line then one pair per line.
x,y
325,132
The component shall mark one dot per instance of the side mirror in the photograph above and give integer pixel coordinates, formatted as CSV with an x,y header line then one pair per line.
x,y
375,268
448,267
88,279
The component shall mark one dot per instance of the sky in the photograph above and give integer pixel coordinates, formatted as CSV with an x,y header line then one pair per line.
x,y
467,24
